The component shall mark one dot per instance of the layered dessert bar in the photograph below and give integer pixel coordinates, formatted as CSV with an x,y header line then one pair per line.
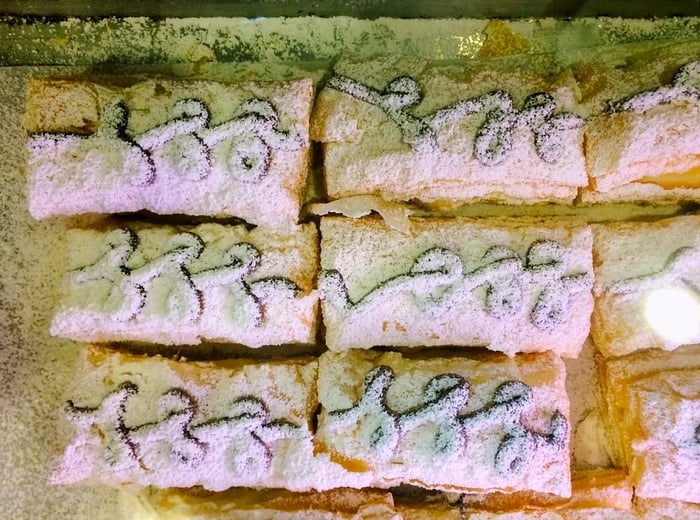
x,y
158,422
169,147
642,139
509,285
405,128
451,423
184,285
647,285
652,418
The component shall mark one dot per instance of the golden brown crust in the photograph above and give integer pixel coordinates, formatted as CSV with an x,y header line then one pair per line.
x,y
240,504
651,410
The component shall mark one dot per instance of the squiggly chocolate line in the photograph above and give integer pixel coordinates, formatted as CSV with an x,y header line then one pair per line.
x,y
180,250
245,435
186,298
685,85
172,431
247,430
137,162
241,260
385,436
504,274
443,398
112,267
682,262
494,138
187,139
110,412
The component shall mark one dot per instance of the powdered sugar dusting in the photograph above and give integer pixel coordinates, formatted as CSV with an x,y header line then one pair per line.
x,y
429,420
494,137
176,286
218,150
685,85
456,282
459,132
179,426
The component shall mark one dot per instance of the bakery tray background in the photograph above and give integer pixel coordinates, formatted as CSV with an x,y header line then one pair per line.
x,y
362,9
35,368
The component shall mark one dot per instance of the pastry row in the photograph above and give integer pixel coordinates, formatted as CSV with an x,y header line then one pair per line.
x,y
602,494
402,128
370,419
512,286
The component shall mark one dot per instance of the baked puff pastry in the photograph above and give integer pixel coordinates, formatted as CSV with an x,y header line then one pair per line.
x,y
268,504
509,285
647,285
642,141
407,129
183,285
602,494
652,417
170,147
158,422
453,423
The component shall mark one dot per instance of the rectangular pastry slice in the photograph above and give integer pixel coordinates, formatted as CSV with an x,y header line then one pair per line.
x,y
647,285
509,285
643,140
407,129
157,422
182,285
170,147
456,424
652,414
268,504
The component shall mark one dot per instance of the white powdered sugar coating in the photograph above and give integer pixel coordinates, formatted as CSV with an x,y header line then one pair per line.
x,y
184,285
617,374
651,409
152,421
664,453
396,438
635,108
457,282
477,133
198,148
666,254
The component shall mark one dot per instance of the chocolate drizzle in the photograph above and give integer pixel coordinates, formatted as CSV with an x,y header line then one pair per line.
x,y
170,434
438,282
494,138
244,437
185,299
683,262
184,144
242,441
684,86
444,396
108,418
